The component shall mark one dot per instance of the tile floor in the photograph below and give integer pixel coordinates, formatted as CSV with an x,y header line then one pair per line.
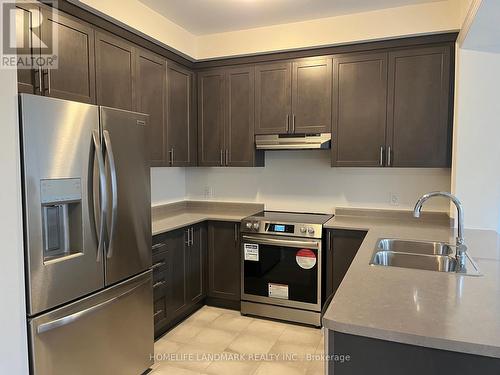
x,y
218,341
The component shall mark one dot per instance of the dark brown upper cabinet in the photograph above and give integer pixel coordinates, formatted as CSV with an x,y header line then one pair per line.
x,y
359,110
239,136
273,98
226,118
181,124
419,112
312,96
152,99
294,97
115,71
28,80
74,78
211,118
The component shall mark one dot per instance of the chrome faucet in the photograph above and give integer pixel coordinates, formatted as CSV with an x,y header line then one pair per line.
x,y
461,248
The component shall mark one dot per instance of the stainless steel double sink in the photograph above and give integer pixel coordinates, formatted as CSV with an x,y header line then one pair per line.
x,y
423,255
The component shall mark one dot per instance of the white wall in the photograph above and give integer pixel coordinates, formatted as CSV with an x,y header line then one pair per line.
x,y
167,185
135,15
304,181
476,170
401,21
13,332
409,20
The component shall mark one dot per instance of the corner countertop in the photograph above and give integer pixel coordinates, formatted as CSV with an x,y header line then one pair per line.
x,y
425,308
176,215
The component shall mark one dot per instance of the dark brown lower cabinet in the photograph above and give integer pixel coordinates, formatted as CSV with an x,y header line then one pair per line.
x,y
179,275
224,264
380,357
342,246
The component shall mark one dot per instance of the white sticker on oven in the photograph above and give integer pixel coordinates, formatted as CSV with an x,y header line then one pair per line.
x,y
251,252
305,258
278,291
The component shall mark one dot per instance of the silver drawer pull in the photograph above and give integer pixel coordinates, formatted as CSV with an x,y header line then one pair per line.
x,y
157,313
158,246
158,284
158,265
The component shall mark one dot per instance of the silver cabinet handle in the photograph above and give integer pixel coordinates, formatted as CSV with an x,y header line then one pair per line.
x,y
157,313
288,123
103,194
172,156
80,314
114,191
40,79
192,236
279,242
48,81
158,284
381,159
188,237
293,123
389,161
157,265
158,246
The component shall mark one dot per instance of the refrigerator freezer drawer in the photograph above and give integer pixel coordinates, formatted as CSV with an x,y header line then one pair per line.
x,y
110,332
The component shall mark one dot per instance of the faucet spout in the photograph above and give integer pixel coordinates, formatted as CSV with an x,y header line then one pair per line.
x,y
461,248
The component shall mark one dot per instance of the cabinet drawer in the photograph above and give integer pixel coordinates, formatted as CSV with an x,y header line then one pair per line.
x,y
160,262
158,246
159,311
160,285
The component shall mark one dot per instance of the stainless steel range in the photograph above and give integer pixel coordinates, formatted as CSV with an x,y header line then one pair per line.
x,y
281,266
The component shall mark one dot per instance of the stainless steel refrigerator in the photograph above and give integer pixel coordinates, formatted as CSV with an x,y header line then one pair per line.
x,y
87,224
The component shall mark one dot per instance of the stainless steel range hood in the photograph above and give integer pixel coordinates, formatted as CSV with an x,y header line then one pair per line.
x,y
293,141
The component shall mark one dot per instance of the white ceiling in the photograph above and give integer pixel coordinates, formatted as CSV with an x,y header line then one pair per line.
x,y
212,16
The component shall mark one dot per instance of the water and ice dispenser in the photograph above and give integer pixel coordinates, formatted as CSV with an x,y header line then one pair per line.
x,y
61,201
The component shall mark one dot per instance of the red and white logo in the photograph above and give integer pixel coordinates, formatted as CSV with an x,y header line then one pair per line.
x,y
305,258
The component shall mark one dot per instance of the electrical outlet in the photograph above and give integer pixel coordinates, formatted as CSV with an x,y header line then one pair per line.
x,y
208,192
394,199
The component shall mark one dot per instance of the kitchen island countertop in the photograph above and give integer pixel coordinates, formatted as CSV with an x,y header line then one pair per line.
x,y
433,309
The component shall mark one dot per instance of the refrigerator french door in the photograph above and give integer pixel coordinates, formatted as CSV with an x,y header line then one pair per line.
x,y
86,200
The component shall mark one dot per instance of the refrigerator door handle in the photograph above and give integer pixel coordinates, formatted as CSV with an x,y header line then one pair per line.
x,y
103,194
114,191
65,320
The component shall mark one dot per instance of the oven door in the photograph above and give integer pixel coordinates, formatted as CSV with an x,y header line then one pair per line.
x,y
281,271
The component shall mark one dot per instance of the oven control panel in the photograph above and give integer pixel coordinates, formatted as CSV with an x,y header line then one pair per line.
x,y
283,229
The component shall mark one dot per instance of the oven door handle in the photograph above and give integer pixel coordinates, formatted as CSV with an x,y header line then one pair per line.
x,y
280,242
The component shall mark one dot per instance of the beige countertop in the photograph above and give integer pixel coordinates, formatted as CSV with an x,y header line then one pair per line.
x,y
180,214
432,309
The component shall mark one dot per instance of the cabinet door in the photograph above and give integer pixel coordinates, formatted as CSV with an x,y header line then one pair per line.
x,y
181,124
115,71
151,99
239,134
27,16
273,98
211,118
74,78
359,110
224,260
419,116
312,96
342,247
196,257
177,296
